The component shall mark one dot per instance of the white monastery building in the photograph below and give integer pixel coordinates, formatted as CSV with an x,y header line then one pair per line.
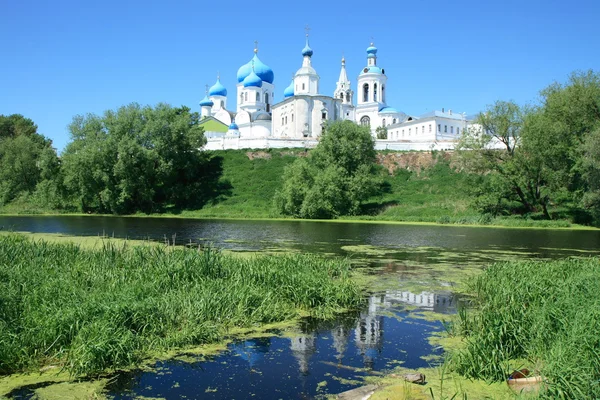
x,y
298,120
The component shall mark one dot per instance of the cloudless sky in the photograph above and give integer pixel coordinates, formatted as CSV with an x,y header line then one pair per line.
x,y
66,57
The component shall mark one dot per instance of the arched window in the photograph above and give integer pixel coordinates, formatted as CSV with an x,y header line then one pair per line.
x,y
365,92
348,97
257,96
365,121
383,122
394,121
246,96
222,104
383,93
342,96
241,98
266,98
375,92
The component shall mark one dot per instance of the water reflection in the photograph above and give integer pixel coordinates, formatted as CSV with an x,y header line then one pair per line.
x,y
322,357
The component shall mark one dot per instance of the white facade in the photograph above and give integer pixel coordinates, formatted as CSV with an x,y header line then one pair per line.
x,y
298,120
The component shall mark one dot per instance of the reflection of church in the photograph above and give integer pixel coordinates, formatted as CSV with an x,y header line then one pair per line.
x,y
303,347
367,330
297,120
438,302
368,334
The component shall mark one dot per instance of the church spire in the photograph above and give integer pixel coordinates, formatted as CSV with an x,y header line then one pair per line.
x,y
343,89
343,75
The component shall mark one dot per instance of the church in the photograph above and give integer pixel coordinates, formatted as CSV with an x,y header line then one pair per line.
x,y
298,120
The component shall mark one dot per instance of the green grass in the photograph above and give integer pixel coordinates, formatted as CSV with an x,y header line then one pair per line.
x,y
90,310
543,315
428,196
253,184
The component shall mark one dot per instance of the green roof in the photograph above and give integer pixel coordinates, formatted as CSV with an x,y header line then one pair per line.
x,y
211,124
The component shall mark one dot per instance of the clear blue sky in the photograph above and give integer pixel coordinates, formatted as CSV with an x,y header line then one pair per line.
x,y
67,57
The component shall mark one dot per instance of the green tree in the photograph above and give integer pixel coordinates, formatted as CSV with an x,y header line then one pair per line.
x,y
540,153
381,132
139,159
591,173
26,158
338,175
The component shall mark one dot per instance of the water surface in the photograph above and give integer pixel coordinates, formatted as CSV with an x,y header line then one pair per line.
x,y
417,268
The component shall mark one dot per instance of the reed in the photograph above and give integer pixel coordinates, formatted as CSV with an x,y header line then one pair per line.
x,y
545,313
96,309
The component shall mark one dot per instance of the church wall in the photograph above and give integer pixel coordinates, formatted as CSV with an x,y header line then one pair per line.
x,y
373,113
284,124
261,129
303,117
317,120
223,116
449,129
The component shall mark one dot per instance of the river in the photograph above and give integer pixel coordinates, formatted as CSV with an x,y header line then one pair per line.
x,y
417,269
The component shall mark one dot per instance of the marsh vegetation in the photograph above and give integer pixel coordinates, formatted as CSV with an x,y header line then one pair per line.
x,y
543,316
90,310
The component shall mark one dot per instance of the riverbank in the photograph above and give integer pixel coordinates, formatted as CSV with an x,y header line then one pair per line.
x,y
421,189
498,223
91,310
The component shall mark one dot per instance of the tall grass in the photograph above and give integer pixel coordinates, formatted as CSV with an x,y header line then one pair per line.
x,y
544,313
92,310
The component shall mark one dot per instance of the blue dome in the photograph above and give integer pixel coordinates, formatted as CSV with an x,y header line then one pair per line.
x,y
307,51
263,71
233,126
371,70
289,91
206,102
217,89
388,110
252,80
371,49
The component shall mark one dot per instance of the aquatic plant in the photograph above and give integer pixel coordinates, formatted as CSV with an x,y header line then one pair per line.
x,y
546,314
94,309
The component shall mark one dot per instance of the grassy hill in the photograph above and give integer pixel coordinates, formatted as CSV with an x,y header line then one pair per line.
x,y
433,193
253,178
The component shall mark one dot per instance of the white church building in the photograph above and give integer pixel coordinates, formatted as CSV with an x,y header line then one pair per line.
x,y
298,120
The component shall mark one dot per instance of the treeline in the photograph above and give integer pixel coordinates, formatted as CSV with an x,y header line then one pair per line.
x,y
538,161
541,159
132,159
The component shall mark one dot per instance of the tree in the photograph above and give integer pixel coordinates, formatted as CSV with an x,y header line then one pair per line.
x,y
26,157
537,155
381,132
591,174
489,148
335,179
139,159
